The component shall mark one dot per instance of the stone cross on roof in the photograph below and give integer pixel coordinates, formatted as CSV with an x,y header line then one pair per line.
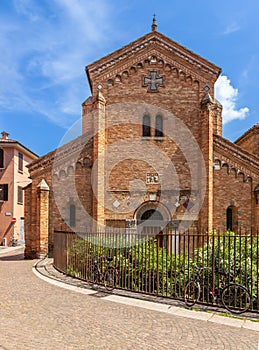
x,y
154,25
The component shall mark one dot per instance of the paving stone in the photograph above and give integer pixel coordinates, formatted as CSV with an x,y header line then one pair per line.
x,y
38,315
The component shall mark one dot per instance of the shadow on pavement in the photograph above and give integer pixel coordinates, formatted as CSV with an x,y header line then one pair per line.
x,y
12,257
18,254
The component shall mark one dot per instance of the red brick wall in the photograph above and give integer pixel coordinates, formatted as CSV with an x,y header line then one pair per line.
x,y
251,144
121,157
231,190
71,184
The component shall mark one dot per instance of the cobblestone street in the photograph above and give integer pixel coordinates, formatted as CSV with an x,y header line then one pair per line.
x,y
38,315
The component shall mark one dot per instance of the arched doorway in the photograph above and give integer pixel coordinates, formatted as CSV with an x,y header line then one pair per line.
x,y
151,214
152,220
154,224
152,217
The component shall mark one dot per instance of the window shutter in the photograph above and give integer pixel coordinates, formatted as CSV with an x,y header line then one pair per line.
x,y
20,161
20,195
4,192
1,158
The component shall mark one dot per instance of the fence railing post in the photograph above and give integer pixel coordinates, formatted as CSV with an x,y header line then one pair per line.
x,y
147,266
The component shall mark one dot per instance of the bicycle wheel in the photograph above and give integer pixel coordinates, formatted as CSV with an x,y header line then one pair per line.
x,y
236,298
91,277
191,293
109,279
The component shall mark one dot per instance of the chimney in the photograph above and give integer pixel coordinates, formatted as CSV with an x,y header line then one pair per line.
x,y
4,135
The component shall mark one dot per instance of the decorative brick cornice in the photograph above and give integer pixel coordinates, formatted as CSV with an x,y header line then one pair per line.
x,y
152,40
240,155
59,155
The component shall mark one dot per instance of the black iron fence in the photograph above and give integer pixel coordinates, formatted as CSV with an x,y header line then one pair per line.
x,y
162,264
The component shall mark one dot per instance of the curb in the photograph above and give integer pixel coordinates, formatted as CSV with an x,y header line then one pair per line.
x,y
40,270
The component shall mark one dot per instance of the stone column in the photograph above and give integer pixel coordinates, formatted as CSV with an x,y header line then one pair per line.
x,y
43,219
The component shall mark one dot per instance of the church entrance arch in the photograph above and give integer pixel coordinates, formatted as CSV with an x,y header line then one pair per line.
x,y
152,219
151,214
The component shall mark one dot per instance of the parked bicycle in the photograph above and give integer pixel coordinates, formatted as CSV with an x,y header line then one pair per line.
x,y
14,242
103,272
235,297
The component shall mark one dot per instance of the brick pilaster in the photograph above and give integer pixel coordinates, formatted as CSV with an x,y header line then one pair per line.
x,y
207,117
43,217
99,158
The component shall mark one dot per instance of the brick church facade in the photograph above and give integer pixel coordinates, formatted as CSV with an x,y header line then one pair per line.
x,y
151,155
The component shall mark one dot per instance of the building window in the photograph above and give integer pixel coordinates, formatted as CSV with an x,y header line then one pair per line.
x,y
20,195
231,214
1,158
20,161
229,219
3,192
146,125
159,126
72,215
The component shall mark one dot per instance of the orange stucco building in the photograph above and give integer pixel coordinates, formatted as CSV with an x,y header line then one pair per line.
x,y
14,175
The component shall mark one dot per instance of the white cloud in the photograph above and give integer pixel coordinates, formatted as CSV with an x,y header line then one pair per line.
x,y
85,17
228,96
28,8
231,28
44,49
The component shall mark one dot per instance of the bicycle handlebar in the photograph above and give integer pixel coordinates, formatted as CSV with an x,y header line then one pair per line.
x,y
103,258
201,268
220,272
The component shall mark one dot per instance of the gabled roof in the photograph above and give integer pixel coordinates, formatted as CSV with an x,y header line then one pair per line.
x,y
240,154
14,143
248,133
159,41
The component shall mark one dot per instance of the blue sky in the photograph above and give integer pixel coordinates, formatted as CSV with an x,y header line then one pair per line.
x,y
46,44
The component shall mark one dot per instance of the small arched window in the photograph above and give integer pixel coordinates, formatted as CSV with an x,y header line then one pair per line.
x,y
159,126
229,219
1,158
72,215
146,125
231,214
